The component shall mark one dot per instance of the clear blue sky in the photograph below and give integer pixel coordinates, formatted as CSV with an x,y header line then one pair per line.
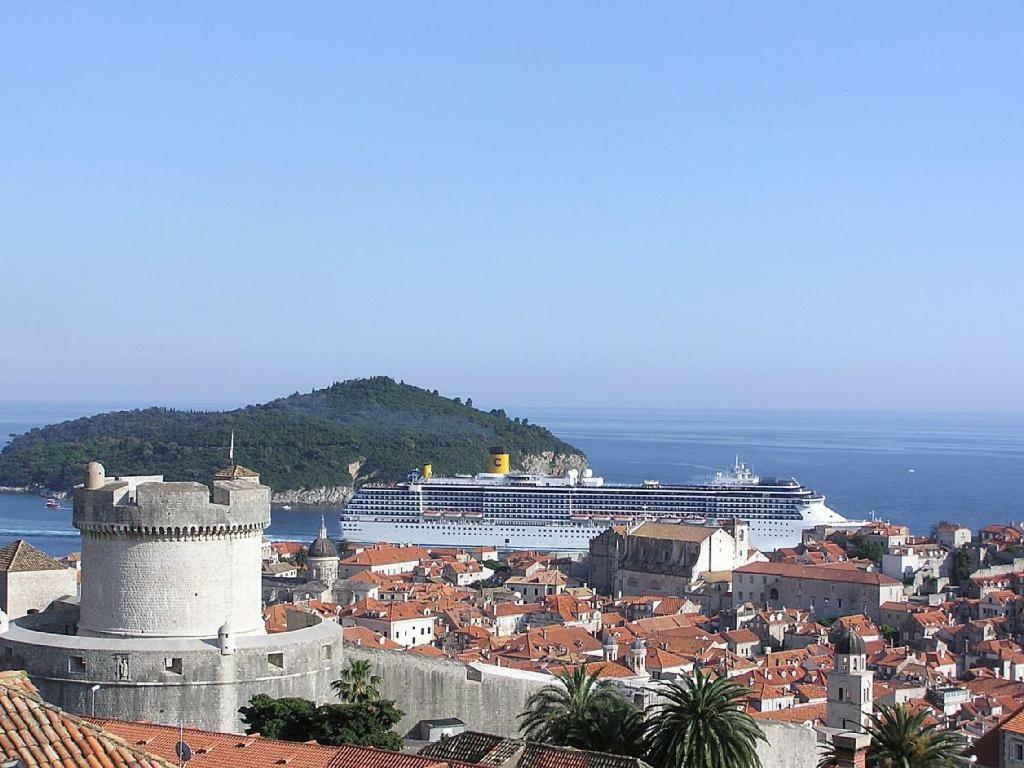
x,y
711,205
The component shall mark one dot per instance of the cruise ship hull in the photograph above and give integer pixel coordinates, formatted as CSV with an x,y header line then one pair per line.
x,y
765,534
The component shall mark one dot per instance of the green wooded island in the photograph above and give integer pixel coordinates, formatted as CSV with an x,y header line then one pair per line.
x,y
312,447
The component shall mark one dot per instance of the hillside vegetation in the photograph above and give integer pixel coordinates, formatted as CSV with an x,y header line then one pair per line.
x,y
301,441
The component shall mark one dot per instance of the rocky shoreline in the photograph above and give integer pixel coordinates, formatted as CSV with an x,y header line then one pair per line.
x,y
546,462
327,496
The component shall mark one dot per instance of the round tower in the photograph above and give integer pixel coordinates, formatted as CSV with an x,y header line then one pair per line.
x,y
170,559
322,558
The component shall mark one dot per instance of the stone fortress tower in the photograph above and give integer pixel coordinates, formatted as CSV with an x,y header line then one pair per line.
x,y
169,627
166,559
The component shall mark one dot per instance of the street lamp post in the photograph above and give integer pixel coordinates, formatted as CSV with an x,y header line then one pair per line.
x,y
92,708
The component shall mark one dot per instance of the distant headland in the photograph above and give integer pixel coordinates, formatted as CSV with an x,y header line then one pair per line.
x,y
312,448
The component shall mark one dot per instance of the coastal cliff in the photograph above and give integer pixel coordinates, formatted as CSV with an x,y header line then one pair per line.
x,y
551,463
326,496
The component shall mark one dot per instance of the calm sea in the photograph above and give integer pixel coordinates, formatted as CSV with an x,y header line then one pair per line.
x,y
911,468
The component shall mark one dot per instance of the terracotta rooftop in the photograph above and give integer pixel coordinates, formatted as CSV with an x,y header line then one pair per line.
x,y
838,572
386,555
365,636
21,556
672,532
40,734
489,750
226,750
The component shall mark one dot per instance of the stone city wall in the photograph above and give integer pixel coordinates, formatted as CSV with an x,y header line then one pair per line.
x,y
490,699
171,680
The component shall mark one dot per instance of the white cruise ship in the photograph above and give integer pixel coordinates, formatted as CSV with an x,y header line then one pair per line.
x,y
515,510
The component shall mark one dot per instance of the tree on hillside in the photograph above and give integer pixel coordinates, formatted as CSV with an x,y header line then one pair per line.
x,y
700,725
357,683
900,738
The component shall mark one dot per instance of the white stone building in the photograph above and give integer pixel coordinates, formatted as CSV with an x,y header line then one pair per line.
x,y
667,559
30,579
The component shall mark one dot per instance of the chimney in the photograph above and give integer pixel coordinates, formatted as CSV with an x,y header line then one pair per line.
x,y
851,749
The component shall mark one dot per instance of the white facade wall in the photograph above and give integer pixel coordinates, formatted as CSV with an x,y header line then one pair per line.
x,y
387,569
407,632
24,591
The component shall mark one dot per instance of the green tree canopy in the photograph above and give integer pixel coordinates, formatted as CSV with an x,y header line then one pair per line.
x,y
367,723
357,683
575,711
700,725
900,738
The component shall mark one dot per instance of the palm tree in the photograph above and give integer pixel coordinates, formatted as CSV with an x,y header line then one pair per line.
x,y
357,683
900,738
583,712
700,725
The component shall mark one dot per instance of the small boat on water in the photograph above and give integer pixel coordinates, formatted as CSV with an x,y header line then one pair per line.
x,y
286,507
53,503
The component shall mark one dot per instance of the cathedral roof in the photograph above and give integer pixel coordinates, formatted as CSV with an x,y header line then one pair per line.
x,y
322,545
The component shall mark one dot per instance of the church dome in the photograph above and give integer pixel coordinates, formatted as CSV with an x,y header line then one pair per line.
x,y
322,546
848,643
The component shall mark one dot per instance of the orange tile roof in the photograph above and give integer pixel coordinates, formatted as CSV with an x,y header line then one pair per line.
x,y
387,555
605,669
514,609
808,713
39,734
365,636
225,750
843,572
220,750
1015,723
